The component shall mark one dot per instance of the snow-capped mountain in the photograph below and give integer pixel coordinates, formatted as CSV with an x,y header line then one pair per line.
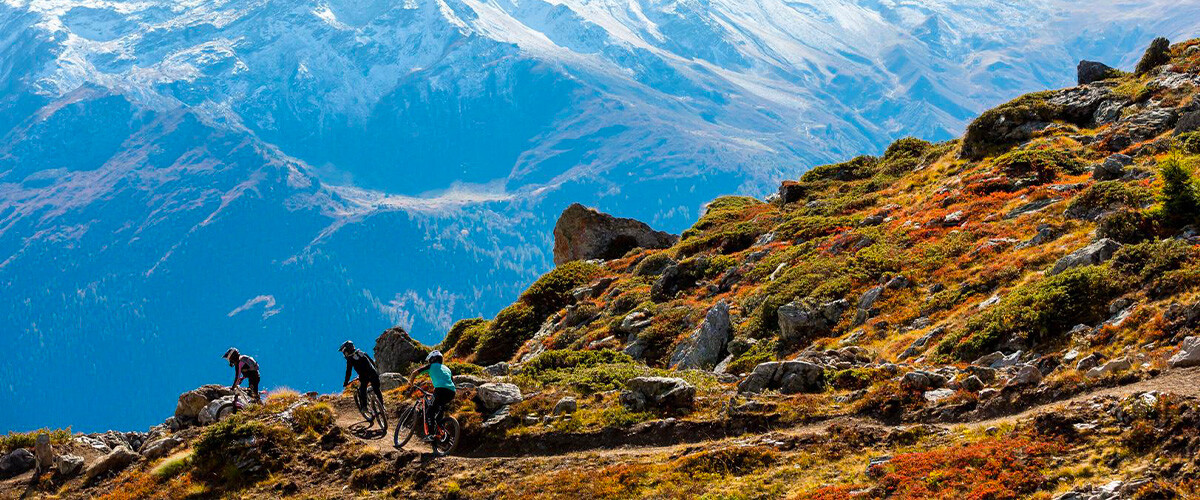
x,y
179,176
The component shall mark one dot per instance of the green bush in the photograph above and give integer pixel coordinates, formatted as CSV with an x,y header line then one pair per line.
x,y
653,265
727,239
860,167
981,138
512,327
664,329
721,212
761,352
316,418
552,291
237,451
853,379
1128,226
1041,165
1037,312
461,368
1149,260
736,461
1106,196
810,227
16,440
562,359
1180,203
908,147
456,332
1190,142
468,339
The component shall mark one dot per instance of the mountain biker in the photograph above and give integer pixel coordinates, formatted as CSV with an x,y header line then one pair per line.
x,y
443,387
358,361
243,367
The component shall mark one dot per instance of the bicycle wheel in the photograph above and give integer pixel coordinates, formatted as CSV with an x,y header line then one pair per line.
x,y
406,425
362,408
379,410
225,411
447,438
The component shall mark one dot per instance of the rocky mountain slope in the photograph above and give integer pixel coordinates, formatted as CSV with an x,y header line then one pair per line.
x,y
347,165
1012,314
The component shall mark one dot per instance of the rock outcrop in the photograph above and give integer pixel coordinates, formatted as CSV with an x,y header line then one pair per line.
x,y
1092,71
788,376
16,462
114,462
1095,253
657,392
494,396
395,350
707,345
192,402
800,322
1188,355
584,233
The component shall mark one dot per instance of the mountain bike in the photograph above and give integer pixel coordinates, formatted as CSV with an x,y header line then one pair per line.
x,y
372,409
443,437
226,410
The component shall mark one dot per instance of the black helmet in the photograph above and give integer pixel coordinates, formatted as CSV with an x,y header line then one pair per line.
x,y
231,355
347,348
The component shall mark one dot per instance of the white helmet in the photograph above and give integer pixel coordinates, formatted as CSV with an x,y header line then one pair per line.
x,y
434,354
231,355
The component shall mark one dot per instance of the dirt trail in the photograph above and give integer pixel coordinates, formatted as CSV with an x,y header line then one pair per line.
x,y
1185,382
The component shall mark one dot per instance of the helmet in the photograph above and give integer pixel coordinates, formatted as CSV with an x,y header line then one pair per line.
x,y
347,347
434,354
231,355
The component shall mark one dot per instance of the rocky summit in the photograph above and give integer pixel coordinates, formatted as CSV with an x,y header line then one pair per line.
x,y
1011,314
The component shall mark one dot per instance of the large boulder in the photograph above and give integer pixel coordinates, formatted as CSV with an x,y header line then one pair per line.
x,y
191,402
496,395
584,233
707,345
658,393
389,381
43,452
800,322
16,462
1188,355
114,462
160,447
208,415
1096,253
788,376
68,465
1158,54
395,350
1092,71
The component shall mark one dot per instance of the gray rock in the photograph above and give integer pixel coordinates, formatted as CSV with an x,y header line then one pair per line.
x,y
1093,254
114,462
659,392
191,402
635,322
160,448
799,322
937,395
498,370
16,462
787,376
1092,71
43,452
1112,168
68,465
391,380
1116,365
1109,112
973,384
707,345
865,303
988,359
495,395
583,233
1010,360
395,350
461,381
1189,122
209,414
915,381
1090,361
1026,375
565,405
1188,355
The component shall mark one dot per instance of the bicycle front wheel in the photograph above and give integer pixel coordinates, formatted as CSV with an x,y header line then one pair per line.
x,y
363,409
406,425
447,438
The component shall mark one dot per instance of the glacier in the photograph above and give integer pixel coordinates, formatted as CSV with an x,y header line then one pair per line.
x,y
181,176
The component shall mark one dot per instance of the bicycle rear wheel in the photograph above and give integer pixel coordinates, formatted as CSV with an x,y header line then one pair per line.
x,y
447,438
406,426
225,411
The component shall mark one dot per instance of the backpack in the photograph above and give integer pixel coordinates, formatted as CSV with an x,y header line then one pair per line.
x,y
248,363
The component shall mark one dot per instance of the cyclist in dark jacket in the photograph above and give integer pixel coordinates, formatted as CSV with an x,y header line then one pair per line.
x,y
443,386
358,361
244,367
